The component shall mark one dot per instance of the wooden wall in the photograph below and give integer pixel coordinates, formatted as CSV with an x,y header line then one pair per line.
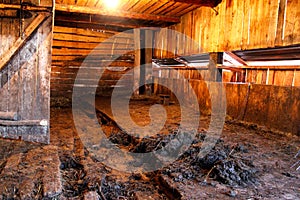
x,y
25,77
276,107
238,25
279,77
71,46
260,75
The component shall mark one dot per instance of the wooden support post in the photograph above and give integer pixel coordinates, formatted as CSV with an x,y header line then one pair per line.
x,y
21,41
137,61
215,59
148,61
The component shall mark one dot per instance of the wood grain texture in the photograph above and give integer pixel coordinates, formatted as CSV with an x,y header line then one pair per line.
x,y
25,79
239,25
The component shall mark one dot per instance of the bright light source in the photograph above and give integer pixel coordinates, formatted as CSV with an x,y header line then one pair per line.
x,y
111,4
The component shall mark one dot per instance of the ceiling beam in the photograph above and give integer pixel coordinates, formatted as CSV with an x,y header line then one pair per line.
x,y
92,22
209,3
121,14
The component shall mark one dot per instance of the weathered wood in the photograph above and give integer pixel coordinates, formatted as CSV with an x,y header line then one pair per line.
x,y
91,45
148,60
280,22
20,42
25,7
215,74
123,14
137,60
9,116
292,23
238,25
86,32
24,123
209,3
83,52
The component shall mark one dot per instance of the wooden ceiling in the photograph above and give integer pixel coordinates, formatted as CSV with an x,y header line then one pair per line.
x,y
129,13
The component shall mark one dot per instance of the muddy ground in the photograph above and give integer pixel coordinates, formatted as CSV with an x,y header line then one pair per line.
x,y
248,162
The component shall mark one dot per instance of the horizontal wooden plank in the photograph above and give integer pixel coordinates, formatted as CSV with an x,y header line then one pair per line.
x,y
80,38
104,76
86,84
93,58
92,64
97,70
82,52
92,45
91,33
9,115
24,123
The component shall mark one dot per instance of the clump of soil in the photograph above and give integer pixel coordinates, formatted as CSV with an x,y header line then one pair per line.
x,y
153,143
234,172
112,189
73,177
223,163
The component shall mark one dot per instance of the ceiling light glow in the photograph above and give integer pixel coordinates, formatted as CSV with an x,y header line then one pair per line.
x,y
111,4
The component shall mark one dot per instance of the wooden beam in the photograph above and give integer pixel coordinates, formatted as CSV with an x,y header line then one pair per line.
x,y
94,23
236,58
215,73
122,14
148,61
137,60
21,41
209,3
25,7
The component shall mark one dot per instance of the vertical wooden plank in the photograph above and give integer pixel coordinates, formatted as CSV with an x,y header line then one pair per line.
x,y
279,76
291,27
44,69
280,23
222,26
273,16
259,76
271,77
148,60
254,24
254,76
289,76
28,81
297,78
236,28
264,77
4,90
137,59
246,22
13,77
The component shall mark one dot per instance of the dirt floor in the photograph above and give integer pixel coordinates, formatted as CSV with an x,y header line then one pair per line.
x,y
248,162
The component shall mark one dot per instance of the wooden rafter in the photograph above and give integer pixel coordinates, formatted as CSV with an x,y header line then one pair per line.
x,y
121,14
21,41
209,3
92,22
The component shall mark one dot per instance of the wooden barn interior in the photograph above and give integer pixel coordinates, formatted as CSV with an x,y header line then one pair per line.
x,y
149,99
